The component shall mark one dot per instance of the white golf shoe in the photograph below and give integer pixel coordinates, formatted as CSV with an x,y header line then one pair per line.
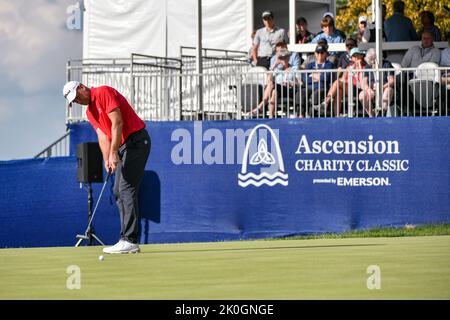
x,y
122,246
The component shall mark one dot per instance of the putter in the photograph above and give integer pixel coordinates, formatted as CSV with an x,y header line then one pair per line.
x,y
88,234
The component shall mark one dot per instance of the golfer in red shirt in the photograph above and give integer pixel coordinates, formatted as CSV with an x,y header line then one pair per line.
x,y
125,146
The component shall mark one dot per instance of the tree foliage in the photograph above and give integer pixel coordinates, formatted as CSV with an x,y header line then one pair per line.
x,y
347,16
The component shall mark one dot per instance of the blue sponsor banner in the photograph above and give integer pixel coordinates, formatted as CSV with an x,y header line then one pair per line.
x,y
228,180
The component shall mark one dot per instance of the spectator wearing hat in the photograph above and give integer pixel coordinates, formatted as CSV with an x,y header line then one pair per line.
x,y
398,27
294,58
265,40
362,26
281,81
367,95
316,83
426,52
339,87
312,57
303,34
427,19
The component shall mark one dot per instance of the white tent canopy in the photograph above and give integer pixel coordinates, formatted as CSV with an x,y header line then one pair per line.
x,y
117,28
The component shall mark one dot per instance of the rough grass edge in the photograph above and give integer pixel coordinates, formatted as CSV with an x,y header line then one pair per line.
x,y
408,230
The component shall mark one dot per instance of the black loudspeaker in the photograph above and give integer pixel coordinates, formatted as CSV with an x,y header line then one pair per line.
x,y
89,162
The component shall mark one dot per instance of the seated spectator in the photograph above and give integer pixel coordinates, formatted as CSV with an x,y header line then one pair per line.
x,y
339,87
398,27
265,40
303,35
339,32
294,59
312,57
345,59
362,26
427,19
316,83
426,52
281,82
329,33
367,95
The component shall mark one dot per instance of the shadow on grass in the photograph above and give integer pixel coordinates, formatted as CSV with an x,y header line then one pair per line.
x,y
263,248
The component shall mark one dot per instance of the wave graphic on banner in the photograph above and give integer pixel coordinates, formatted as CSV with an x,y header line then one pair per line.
x,y
273,174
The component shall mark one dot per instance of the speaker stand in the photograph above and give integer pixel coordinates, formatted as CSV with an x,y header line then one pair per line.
x,y
89,234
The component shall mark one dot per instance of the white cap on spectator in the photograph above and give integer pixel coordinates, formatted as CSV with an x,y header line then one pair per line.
x,y
328,14
267,13
362,19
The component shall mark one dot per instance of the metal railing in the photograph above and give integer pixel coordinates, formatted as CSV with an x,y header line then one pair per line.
x,y
59,148
169,90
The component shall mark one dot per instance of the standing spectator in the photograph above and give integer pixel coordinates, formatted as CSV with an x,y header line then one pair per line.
x,y
426,52
367,95
398,27
265,40
303,35
329,33
427,19
362,26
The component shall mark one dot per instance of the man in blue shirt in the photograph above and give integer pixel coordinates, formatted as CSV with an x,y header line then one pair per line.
x,y
316,83
398,27
330,35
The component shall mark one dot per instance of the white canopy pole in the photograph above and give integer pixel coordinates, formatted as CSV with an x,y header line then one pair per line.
x,y
292,14
379,50
199,62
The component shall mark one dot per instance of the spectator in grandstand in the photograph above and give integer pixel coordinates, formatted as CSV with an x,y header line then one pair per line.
x,y
369,33
362,26
294,59
427,19
345,59
426,52
339,87
316,83
282,82
312,57
125,145
265,40
303,34
445,55
398,27
339,32
329,33
367,95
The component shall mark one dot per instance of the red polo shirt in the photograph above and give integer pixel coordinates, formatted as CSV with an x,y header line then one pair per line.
x,y
104,100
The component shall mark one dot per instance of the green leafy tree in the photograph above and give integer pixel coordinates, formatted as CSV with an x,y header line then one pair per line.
x,y
347,15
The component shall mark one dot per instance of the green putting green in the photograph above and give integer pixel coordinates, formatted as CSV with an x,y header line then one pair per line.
x,y
409,268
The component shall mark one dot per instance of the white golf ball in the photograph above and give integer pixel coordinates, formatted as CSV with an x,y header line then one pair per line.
x,y
100,258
